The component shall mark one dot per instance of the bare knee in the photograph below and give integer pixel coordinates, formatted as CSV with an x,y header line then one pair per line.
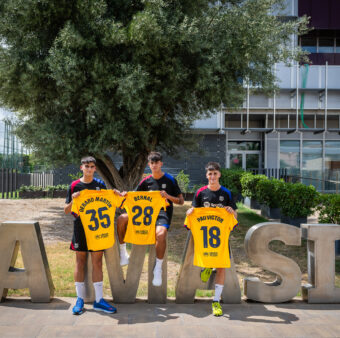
x,y
161,233
122,220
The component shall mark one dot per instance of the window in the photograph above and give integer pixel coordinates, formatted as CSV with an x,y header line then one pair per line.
x,y
332,155
326,45
309,43
290,154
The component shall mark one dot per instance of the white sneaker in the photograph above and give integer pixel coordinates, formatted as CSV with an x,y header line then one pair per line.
x,y
157,277
124,260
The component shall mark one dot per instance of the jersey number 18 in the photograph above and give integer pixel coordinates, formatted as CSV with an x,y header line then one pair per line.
x,y
214,237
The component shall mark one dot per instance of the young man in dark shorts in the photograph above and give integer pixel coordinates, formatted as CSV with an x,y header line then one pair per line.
x,y
79,245
216,196
167,185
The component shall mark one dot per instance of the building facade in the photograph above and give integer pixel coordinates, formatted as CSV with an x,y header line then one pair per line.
x,y
299,127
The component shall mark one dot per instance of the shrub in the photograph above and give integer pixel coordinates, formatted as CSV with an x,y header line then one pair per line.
x,y
196,187
268,191
231,179
329,208
249,183
298,200
183,181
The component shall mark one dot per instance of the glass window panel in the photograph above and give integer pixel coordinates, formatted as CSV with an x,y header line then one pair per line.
x,y
326,49
337,48
308,43
332,155
290,154
252,161
235,161
312,155
326,42
241,145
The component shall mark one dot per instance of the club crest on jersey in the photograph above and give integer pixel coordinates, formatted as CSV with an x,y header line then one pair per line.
x,y
221,198
206,204
97,188
76,245
163,186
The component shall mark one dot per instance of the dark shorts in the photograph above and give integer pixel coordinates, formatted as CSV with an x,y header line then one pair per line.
x,y
163,220
78,242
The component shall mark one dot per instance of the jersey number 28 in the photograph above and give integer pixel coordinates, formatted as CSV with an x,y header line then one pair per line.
x,y
138,211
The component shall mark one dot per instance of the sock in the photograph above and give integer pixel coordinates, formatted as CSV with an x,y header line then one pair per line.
x,y
159,263
122,248
80,289
98,290
218,292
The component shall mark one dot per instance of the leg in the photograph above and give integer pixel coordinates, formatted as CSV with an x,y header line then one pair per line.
x,y
121,229
219,283
161,233
97,266
122,222
97,277
79,277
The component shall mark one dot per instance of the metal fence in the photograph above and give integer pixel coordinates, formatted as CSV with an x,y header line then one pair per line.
x,y
11,180
327,181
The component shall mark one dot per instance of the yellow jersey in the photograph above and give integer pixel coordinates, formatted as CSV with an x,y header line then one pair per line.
x,y
97,211
142,208
210,228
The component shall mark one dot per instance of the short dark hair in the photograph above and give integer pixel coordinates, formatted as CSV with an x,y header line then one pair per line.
x,y
213,166
155,156
88,159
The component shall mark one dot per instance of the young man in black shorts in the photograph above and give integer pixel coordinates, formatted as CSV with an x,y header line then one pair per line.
x,y
79,245
216,196
167,185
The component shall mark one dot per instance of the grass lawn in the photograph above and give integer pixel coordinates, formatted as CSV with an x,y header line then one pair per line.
x,y
62,260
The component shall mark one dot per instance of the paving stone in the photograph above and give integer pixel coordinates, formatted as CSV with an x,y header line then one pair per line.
x,y
26,331
68,331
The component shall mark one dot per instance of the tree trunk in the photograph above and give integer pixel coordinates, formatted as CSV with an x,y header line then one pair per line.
x,y
127,177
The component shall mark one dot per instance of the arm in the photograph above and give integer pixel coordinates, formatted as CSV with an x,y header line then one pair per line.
x,y
177,200
68,206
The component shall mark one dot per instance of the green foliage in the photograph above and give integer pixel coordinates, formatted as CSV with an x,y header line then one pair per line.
x,y
249,183
329,208
183,181
76,176
231,179
298,200
49,188
196,187
88,77
268,191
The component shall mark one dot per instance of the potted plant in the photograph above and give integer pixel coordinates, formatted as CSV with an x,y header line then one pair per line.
x,y
60,191
297,203
248,184
268,193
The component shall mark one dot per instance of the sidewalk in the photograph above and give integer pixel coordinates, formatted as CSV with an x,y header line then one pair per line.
x,y
21,318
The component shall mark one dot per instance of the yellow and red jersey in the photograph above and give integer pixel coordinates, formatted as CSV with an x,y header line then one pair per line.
x,y
143,208
210,228
97,211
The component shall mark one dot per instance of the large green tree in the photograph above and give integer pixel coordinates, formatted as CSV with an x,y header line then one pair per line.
x,y
130,76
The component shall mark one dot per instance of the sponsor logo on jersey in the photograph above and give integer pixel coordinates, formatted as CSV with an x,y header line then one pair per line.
x,y
213,205
206,204
221,198
97,188
163,186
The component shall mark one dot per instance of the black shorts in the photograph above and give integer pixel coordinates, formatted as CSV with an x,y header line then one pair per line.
x,y
163,220
78,242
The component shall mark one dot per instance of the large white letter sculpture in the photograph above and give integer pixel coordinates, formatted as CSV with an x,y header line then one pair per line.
x,y
189,279
36,276
288,281
321,263
125,291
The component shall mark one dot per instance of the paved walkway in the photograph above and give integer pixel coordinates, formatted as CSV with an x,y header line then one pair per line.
x,y
21,318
